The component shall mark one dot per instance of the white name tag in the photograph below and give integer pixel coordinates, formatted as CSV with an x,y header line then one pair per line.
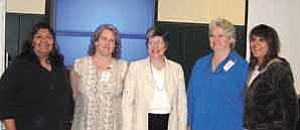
x,y
228,65
105,76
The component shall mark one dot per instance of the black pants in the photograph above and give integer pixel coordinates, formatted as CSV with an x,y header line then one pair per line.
x,y
158,121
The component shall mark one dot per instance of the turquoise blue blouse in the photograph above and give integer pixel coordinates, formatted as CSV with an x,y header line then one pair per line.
x,y
215,99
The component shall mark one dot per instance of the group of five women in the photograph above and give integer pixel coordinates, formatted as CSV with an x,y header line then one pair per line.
x,y
224,92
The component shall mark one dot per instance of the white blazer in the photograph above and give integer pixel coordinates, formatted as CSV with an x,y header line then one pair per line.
x,y
138,94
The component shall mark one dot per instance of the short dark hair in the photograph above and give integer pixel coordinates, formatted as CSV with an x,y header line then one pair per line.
x,y
157,31
271,37
55,58
97,33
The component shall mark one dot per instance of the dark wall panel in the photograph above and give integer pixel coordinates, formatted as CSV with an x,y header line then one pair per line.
x,y
17,28
12,34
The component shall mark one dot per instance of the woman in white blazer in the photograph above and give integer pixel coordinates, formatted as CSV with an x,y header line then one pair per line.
x,y
154,96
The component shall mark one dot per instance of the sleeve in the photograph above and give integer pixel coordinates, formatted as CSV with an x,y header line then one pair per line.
x,y
190,97
242,77
8,87
182,101
288,97
77,66
74,77
128,99
124,70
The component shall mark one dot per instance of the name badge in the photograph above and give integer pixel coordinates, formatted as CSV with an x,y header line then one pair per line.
x,y
228,65
105,76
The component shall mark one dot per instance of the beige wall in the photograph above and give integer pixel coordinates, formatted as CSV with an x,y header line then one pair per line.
x,y
201,11
195,11
26,6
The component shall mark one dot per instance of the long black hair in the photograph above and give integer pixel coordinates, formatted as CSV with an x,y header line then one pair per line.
x,y
268,34
55,58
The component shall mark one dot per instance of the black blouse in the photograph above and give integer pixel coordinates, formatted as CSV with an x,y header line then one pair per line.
x,y
36,98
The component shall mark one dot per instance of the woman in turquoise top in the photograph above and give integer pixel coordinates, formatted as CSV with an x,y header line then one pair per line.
x,y
217,83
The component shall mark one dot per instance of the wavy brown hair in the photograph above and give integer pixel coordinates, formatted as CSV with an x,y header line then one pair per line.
x,y
97,33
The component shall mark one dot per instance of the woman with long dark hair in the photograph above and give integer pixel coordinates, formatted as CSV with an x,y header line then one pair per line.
x,y
271,100
35,92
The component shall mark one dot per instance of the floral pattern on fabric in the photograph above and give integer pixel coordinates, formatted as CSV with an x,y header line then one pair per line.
x,y
98,102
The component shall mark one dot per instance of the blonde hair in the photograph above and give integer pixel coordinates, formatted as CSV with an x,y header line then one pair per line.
x,y
228,28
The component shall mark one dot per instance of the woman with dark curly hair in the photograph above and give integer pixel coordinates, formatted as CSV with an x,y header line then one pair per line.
x,y
271,101
35,92
97,82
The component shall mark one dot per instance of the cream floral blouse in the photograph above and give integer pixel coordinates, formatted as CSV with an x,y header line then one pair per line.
x,y
98,99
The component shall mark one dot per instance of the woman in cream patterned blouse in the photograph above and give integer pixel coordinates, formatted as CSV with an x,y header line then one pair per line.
x,y
97,82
